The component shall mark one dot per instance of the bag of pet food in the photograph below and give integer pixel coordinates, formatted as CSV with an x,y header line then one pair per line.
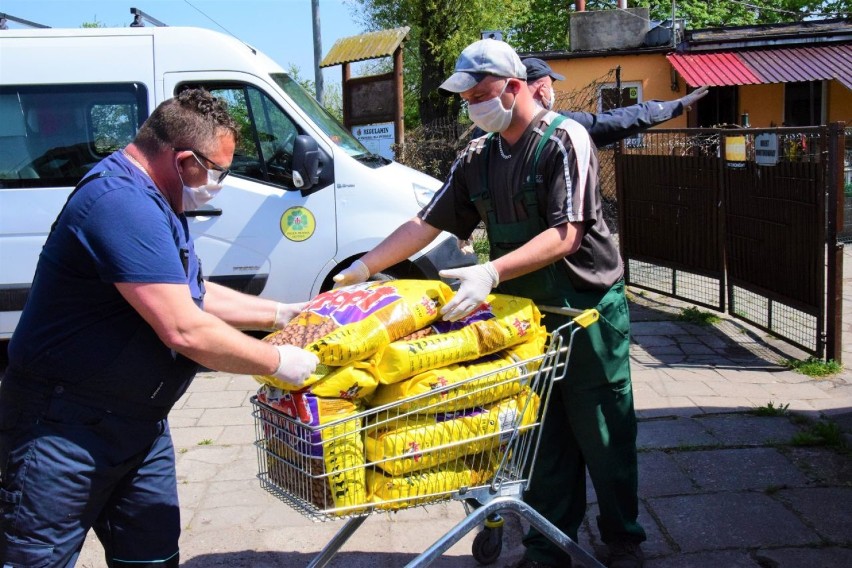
x,y
316,448
419,487
500,322
422,441
353,322
351,382
501,375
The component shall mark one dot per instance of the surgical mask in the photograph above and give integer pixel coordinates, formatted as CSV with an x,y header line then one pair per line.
x,y
552,98
547,105
490,115
195,197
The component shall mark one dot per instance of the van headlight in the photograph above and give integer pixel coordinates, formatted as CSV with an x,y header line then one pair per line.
x,y
422,194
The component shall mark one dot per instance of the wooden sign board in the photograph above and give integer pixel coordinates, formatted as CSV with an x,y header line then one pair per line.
x,y
371,99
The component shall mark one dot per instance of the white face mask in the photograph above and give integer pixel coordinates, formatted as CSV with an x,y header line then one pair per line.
x,y
490,115
552,98
547,104
195,197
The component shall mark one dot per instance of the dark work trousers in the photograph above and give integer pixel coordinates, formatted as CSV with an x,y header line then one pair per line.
x,y
590,423
67,467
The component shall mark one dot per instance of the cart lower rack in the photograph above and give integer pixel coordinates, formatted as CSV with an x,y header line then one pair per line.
x,y
473,440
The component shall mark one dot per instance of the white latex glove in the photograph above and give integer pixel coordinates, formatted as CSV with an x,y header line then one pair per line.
x,y
285,312
295,365
476,283
355,274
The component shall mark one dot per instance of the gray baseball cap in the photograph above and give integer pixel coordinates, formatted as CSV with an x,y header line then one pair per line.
x,y
480,59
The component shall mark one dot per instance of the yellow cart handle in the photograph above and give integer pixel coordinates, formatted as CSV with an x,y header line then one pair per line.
x,y
583,318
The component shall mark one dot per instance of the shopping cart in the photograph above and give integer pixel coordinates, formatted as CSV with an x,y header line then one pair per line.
x,y
472,440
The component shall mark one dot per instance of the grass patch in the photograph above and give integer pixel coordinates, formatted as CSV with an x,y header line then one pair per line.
x,y
820,434
696,316
813,367
769,409
205,442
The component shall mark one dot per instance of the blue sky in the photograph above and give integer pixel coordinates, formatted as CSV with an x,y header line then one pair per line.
x,y
283,29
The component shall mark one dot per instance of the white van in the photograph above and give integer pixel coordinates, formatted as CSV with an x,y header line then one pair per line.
x,y
304,199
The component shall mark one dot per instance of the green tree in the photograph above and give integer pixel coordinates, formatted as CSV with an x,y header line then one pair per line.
x,y
93,24
332,98
703,14
440,29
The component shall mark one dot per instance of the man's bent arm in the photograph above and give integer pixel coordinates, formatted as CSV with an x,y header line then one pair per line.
x,y
200,336
406,240
544,249
237,309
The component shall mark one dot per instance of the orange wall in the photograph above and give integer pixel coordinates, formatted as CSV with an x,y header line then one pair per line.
x,y
653,71
763,103
839,106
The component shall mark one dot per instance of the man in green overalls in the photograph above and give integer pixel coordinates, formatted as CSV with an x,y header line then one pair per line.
x,y
533,180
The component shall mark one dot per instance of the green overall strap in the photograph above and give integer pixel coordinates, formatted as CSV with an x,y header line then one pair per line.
x,y
484,196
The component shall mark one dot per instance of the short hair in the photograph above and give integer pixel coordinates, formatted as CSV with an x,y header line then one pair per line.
x,y
192,119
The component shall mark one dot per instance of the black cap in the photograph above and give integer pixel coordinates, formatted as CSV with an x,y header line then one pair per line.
x,y
536,69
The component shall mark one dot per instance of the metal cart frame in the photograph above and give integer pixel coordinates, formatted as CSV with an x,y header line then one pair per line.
x,y
293,456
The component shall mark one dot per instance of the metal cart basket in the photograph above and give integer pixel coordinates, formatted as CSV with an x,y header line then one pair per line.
x,y
472,440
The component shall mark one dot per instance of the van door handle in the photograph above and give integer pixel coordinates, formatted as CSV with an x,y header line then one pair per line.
x,y
203,213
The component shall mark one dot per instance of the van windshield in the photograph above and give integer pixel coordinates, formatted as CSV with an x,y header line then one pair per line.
x,y
321,117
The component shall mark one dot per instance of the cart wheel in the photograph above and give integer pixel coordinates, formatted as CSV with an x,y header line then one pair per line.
x,y
487,545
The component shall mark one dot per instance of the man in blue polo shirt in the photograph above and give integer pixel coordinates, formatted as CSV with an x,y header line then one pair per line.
x,y
117,321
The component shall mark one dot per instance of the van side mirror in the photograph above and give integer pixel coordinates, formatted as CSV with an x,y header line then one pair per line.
x,y
305,162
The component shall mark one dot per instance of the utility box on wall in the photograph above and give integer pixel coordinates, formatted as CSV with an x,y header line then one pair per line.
x,y
609,29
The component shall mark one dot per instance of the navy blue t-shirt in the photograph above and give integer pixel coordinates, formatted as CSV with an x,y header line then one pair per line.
x,y
76,329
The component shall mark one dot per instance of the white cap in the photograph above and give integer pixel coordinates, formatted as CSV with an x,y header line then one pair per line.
x,y
482,58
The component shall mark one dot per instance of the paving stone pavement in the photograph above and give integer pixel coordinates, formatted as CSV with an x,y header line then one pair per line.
x,y
719,485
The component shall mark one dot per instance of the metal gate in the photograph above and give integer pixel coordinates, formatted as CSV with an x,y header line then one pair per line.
x,y
739,220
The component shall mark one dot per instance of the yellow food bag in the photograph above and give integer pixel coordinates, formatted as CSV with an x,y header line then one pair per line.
x,y
343,456
322,465
353,322
351,382
500,322
499,379
422,441
390,493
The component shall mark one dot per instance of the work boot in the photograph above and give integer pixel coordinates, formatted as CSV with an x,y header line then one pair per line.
x,y
625,554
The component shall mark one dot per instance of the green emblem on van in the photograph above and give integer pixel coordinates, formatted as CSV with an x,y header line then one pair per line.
x,y
298,224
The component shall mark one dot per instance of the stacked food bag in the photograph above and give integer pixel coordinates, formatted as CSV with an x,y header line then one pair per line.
x,y
383,422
